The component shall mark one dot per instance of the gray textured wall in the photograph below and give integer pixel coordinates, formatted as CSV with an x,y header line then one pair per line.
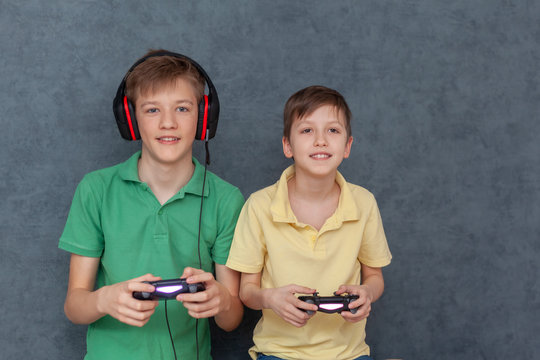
x,y
445,97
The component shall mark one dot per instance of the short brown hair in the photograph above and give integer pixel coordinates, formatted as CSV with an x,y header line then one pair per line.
x,y
157,71
304,102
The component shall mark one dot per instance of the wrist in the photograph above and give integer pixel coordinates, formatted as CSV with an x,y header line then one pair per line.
x,y
369,292
101,303
266,295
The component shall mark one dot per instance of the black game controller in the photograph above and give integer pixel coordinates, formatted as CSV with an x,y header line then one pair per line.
x,y
168,289
330,304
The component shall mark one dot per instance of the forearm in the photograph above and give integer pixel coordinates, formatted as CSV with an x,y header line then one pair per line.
x,y
228,284
253,296
374,285
81,306
230,318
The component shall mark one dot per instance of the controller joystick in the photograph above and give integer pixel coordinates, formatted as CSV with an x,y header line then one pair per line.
x,y
168,289
309,301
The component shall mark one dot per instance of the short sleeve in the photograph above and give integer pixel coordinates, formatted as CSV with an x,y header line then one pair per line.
x,y
82,234
248,249
374,250
228,211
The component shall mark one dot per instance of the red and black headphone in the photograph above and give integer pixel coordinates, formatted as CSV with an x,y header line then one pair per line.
x,y
124,111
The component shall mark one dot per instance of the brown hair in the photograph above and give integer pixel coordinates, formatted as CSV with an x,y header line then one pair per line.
x,y
304,102
158,71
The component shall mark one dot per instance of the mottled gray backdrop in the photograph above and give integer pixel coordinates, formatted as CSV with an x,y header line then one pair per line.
x,y
445,97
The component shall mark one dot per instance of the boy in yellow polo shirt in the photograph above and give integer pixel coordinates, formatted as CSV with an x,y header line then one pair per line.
x,y
311,231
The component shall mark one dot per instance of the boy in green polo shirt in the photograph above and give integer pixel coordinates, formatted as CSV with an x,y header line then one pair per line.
x,y
311,231
158,215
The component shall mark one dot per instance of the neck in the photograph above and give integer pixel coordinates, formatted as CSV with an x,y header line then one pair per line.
x,y
313,200
165,179
313,188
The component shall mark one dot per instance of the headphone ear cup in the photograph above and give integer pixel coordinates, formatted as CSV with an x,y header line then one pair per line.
x,y
208,117
124,113
202,122
132,119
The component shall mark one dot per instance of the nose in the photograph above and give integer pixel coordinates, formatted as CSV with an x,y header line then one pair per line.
x,y
320,139
167,120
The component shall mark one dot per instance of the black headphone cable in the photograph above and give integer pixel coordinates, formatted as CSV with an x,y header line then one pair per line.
x,y
169,328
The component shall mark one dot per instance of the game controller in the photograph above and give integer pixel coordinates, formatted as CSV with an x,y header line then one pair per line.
x,y
330,304
168,289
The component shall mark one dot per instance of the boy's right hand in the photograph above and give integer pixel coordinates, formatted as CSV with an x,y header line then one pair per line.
x,y
117,301
283,302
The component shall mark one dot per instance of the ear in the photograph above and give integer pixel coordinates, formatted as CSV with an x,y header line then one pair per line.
x,y
348,147
287,149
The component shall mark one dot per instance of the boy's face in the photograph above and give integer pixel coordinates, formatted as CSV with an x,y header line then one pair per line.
x,y
167,120
318,142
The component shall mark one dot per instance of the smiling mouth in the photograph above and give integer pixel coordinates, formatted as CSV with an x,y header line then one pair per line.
x,y
320,156
168,138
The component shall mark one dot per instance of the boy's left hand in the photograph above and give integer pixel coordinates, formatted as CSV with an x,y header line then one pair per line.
x,y
210,302
363,303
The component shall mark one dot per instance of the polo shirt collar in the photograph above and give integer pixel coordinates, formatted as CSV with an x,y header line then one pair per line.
x,y
128,169
194,185
281,211
280,207
129,172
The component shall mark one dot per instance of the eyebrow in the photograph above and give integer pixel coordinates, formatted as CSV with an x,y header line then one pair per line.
x,y
150,102
309,122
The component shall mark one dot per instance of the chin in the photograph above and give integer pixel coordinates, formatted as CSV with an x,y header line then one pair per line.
x,y
170,159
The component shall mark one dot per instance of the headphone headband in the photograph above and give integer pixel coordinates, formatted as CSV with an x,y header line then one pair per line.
x,y
124,111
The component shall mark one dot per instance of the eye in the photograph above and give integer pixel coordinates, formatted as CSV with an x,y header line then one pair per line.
x,y
152,110
334,130
182,109
305,131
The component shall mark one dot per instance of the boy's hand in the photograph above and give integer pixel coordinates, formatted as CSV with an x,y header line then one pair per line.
x,y
210,302
283,302
117,301
363,303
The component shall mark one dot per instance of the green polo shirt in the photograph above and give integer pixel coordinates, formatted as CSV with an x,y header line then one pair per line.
x,y
116,217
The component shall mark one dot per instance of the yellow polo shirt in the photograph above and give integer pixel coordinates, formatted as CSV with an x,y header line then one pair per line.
x,y
269,239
